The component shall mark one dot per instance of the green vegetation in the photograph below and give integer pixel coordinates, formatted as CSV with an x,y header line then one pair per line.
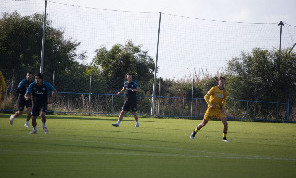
x,y
88,146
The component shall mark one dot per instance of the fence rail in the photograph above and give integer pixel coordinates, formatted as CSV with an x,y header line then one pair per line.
x,y
180,107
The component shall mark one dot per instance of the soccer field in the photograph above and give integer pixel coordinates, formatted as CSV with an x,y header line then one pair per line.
x,y
88,146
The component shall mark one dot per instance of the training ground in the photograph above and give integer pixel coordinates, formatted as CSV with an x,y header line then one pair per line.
x,y
88,146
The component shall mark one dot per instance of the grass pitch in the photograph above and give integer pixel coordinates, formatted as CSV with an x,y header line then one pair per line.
x,y
88,146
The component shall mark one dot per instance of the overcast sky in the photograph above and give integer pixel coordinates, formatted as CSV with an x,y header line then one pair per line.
x,y
186,44
267,11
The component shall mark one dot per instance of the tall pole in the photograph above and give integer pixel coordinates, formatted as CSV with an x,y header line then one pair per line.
x,y
155,71
192,93
43,39
281,24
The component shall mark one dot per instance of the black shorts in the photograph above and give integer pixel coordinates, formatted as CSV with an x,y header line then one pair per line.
x,y
39,107
22,102
130,105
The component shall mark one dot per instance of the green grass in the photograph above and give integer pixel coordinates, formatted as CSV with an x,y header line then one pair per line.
x,y
88,146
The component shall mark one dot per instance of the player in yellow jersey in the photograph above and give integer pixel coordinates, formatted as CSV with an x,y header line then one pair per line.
x,y
215,98
2,87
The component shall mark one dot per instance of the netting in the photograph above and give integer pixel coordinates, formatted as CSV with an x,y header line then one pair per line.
x,y
186,44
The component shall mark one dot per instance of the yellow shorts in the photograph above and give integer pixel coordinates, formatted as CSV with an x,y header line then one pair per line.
x,y
211,113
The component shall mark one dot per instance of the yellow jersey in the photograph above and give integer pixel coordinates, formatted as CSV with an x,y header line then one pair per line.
x,y
216,97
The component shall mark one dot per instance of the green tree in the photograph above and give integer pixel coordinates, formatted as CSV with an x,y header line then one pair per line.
x,y
20,48
263,75
113,64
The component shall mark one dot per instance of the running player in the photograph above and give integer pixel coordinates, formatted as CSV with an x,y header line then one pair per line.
x,y
40,91
215,98
22,102
130,87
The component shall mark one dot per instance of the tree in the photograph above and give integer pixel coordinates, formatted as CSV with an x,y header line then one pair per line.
x,y
113,64
20,47
263,75
259,75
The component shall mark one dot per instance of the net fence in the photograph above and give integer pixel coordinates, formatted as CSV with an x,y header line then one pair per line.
x,y
188,47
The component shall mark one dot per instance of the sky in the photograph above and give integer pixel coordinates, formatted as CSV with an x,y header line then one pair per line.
x,y
188,43
255,11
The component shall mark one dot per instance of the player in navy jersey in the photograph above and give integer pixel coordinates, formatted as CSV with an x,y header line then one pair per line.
x,y
130,87
40,91
22,102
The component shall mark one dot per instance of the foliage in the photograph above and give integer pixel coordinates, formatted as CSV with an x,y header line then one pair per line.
x,y
113,64
20,49
262,75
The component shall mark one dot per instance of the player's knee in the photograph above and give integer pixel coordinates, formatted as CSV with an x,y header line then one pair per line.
x,y
225,123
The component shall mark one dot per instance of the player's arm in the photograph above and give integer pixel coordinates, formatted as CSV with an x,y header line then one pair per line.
x,y
29,91
136,87
207,97
122,90
224,99
53,92
20,86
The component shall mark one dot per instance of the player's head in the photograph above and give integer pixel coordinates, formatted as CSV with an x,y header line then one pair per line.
x,y
221,81
129,77
38,78
29,76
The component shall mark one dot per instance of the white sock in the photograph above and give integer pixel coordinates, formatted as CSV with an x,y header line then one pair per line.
x,y
27,122
43,124
137,122
35,128
118,122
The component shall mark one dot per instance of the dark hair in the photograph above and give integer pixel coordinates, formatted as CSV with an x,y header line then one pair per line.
x,y
39,75
220,78
128,74
30,73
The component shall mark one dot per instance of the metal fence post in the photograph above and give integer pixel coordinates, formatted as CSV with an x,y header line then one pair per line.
x,y
288,109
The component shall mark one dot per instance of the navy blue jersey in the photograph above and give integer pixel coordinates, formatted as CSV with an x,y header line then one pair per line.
x,y
40,92
23,86
130,95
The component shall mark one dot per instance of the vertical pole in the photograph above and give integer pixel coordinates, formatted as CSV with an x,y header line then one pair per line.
x,y
191,107
112,103
155,71
288,109
281,24
43,39
53,76
89,95
158,100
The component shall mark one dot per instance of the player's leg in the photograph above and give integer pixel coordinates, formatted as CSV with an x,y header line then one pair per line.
x,y
29,110
199,126
225,128
12,117
34,125
120,117
125,109
35,113
134,112
21,103
43,118
136,119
